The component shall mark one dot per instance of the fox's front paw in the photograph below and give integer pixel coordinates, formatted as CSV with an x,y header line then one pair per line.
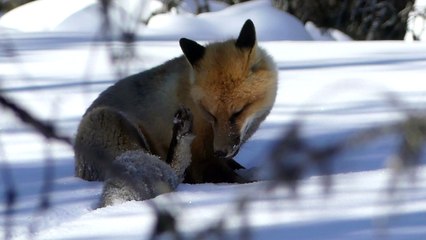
x,y
183,122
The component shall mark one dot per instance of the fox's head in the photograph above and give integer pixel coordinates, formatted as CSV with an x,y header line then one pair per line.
x,y
234,85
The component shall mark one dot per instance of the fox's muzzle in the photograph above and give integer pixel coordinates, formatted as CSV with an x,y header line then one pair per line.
x,y
227,154
227,146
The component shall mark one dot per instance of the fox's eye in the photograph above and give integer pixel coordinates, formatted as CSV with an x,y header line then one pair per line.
x,y
235,115
208,114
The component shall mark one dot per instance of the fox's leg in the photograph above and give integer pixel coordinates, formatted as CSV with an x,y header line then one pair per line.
x,y
103,134
179,154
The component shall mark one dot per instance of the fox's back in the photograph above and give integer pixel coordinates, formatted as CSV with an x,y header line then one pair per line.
x,y
149,99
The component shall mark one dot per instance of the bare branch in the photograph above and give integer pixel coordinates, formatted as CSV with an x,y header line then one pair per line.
x,y
45,129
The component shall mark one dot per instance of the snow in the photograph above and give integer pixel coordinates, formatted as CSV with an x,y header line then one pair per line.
x,y
319,34
190,6
84,17
335,88
33,16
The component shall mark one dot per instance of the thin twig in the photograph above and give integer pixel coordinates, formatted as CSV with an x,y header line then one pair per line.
x,y
45,129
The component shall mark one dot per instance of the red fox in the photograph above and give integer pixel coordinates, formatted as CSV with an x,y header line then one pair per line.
x,y
227,87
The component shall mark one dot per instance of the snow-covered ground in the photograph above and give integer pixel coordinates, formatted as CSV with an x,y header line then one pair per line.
x,y
337,88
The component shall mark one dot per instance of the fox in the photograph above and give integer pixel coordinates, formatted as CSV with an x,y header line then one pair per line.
x,y
227,88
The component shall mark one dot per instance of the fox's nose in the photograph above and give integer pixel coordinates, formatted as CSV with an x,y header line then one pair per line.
x,y
226,154
220,154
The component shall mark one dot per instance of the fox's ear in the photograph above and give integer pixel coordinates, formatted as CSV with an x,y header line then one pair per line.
x,y
192,50
247,37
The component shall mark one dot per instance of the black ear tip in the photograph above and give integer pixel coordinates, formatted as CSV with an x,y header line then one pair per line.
x,y
249,23
184,42
247,37
248,27
191,49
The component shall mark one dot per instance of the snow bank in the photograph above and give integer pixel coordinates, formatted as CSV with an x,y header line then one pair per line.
x,y
78,16
47,15
83,16
271,24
